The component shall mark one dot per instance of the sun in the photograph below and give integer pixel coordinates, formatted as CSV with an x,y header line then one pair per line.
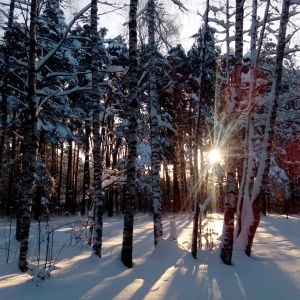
x,y
214,156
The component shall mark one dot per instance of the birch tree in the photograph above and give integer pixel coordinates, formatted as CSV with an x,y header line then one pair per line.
x,y
30,144
249,161
97,153
244,240
127,245
231,138
154,135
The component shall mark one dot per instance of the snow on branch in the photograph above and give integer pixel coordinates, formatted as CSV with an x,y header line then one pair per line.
x,y
180,5
16,99
17,90
14,74
114,5
41,63
203,207
75,89
64,74
19,62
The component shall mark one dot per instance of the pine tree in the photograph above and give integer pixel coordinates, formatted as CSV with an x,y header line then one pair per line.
x,y
7,52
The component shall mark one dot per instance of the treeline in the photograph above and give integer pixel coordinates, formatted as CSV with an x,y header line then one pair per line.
x,y
64,108
97,125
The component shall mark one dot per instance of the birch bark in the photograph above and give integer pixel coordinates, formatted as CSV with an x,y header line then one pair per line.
x,y
30,146
97,153
232,141
250,155
252,218
86,197
155,141
127,246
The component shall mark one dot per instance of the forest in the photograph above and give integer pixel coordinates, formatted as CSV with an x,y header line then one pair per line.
x,y
102,126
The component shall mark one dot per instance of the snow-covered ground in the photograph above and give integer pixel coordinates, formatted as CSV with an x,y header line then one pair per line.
x,y
168,272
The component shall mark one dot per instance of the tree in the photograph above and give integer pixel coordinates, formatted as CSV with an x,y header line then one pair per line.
x,y
97,153
7,51
30,142
31,106
154,135
232,141
130,193
252,218
198,180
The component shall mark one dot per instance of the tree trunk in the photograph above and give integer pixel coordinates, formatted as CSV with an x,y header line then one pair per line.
x,y
97,153
11,204
76,169
86,197
195,227
54,168
198,184
232,140
7,48
155,145
176,191
30,145
130,194
60,177
249,168
69,181
182,164
259,187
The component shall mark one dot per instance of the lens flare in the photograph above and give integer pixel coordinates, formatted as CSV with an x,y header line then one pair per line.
x,y
214,156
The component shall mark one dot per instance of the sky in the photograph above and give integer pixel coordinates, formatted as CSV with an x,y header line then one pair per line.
x,y
167,272
190,21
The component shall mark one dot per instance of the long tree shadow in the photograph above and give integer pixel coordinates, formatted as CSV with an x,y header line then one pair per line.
x,y
169,271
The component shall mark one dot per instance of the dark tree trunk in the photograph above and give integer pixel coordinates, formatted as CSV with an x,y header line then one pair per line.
x,y
59,188
76,154
130,190
7,48
110,201
86,197
97,152
183,179
54,168
195,229
176,191
11,205
69,181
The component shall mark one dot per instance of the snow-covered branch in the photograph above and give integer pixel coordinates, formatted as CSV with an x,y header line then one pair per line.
x,y
180,5
42,62
17,90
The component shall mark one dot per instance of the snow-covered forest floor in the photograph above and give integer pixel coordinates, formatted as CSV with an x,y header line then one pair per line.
x,y
168,272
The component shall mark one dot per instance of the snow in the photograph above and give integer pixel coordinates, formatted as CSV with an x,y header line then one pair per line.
x,y
114,69
168,272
